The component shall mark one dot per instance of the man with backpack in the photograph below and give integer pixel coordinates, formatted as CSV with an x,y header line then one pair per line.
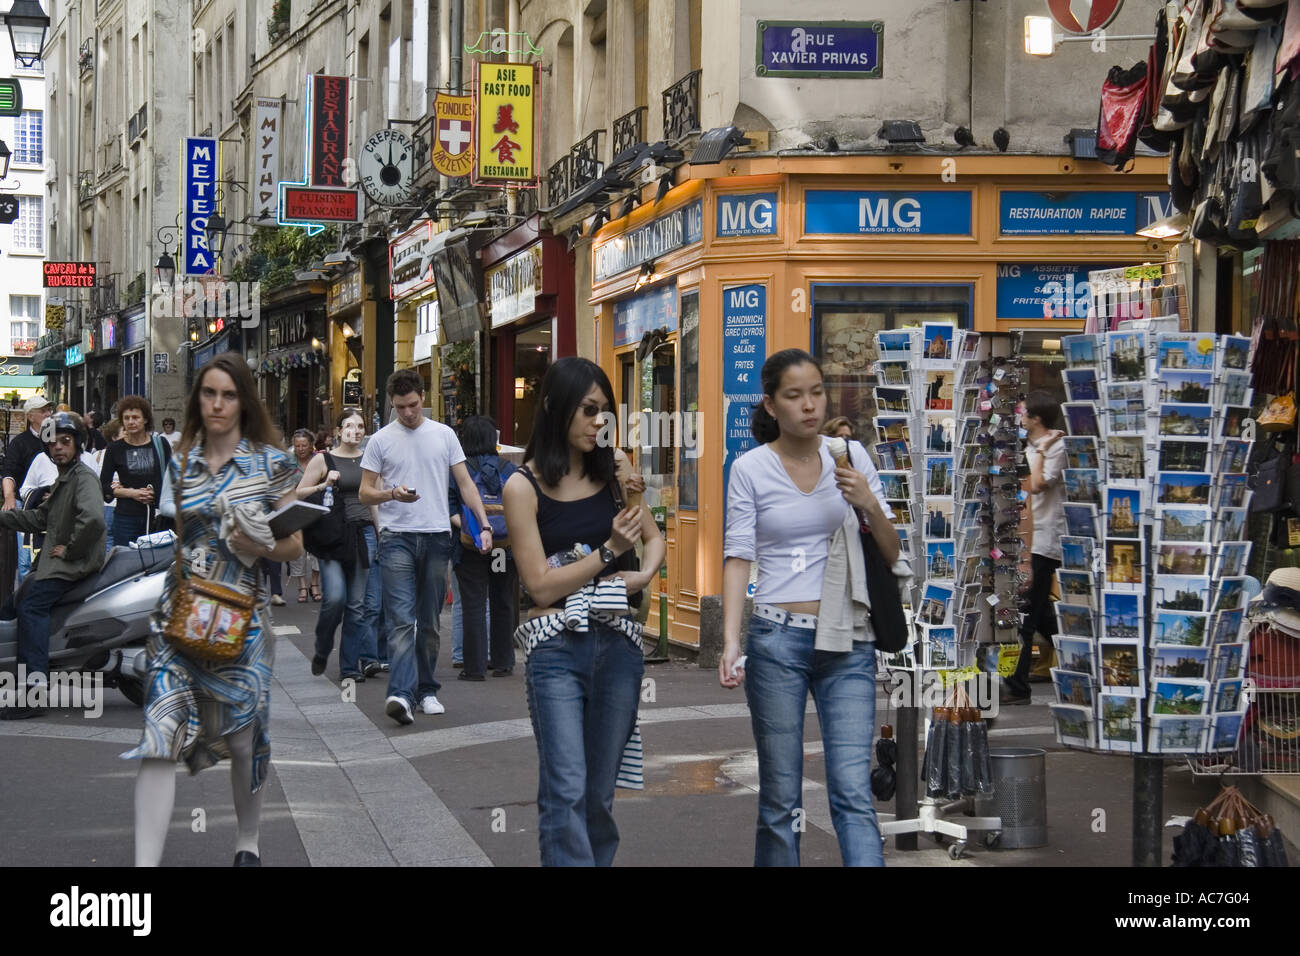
x,y
487,582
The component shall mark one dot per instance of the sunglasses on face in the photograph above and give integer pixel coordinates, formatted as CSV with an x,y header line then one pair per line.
x,y
591,410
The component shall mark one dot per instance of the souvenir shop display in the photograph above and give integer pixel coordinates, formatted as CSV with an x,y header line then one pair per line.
x,y
1230,832
1153,579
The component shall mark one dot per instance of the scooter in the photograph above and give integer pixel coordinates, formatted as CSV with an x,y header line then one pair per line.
x,y
101,625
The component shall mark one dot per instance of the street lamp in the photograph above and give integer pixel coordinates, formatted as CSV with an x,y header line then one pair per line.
x,y
165,269
4,159
215,232
27,24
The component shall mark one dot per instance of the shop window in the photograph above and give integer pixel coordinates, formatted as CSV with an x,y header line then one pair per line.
x,y
532,358
1044,361
688,472
846,319
133,373
659,432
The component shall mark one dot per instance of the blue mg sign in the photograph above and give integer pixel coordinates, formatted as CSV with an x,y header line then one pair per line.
x,y
753,214
935,212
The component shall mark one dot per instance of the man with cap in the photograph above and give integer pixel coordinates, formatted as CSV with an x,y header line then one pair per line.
x,y
17,459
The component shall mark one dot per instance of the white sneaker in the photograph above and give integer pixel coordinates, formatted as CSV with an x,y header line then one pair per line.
x,y
398,709
430,705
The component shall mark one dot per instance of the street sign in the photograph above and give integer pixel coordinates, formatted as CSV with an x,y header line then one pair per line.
x,y
312,204
11,97
8,209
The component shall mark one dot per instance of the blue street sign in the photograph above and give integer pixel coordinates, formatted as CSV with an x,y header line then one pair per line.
x,y
937,212
814,48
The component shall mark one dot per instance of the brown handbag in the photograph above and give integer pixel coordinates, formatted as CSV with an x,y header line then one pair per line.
x,y
209,621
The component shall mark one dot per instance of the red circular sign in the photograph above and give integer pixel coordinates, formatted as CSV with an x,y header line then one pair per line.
x,y
1083,16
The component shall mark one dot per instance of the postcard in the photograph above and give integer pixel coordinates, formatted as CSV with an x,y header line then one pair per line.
x,y
897,484
1121,615
1123,561
938,391
1185,385
1126,392
1120,726
1182,523
941,647
1126,352
1076,552
1081,418
1229,659
1183,559
1081,384
970,429
899,452
1177,735
893,399
935,604
1183,488
1236,353
940,559
1228,696
1076,586
1074,654
938,475
1127,417
1080,520
1180,662
1231,559
1226,732
1082,485
939,428
970,345
1080,451
1181,698
970,515
1232,525
1074,725
904,514
1235,389
1127,457
1184,628
894,341
1233,492
1080,350
904,539
1072,688
1120,667
893,428
937,342
1123,512
1184,454
1179,350
970,401
1185,421
1231,595
1180,592
894,373
1233,455
1234,417
1074,619
1227,626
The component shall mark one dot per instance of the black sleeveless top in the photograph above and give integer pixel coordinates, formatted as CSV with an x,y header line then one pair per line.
x,y
562,524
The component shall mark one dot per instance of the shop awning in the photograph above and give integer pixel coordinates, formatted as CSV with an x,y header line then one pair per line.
x,y
22,381
48,361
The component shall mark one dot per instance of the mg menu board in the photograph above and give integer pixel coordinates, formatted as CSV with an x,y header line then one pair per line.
x,y
507,94
744,349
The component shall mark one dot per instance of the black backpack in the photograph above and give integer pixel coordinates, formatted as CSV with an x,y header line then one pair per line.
x,y
325,537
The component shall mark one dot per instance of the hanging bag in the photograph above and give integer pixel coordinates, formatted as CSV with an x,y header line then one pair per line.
x,y
209,621
325,536
888,622
1121,114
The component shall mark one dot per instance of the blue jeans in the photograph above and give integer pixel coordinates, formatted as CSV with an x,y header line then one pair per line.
x,y
126,528
34,621
377,630
345,601
583,691
782,667
414,568
24,558
457,623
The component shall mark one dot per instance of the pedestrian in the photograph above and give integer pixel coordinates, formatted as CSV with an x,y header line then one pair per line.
x,y
95,440
306,568
18,456
488,584
788,497
170,433
195,711
132,472
345,570
324,439
405,472
1046,454
839,428
583,684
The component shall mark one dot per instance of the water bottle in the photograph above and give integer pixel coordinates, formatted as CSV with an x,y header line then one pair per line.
x,y
328,500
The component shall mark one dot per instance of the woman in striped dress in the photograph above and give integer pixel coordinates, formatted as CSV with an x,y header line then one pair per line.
x,y
228,454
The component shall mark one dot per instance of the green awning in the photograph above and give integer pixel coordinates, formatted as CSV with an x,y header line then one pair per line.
x,y
23,381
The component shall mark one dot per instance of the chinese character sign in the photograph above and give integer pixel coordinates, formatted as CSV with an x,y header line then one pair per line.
x,y
504,153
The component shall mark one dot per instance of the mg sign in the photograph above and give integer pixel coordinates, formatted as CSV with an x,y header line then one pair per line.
x,y
874,214
753,214
1083,16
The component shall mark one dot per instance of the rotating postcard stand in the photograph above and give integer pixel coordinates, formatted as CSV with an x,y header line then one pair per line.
x,y
1151,623
947,430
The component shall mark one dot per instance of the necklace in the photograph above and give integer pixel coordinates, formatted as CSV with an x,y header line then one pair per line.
x,y
803,458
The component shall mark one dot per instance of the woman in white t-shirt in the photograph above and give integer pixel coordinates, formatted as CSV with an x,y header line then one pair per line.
x,y
786,499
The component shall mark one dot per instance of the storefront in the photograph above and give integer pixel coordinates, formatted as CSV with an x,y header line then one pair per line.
x,y
103,353
416,309
344,309
294,366
528,281
134,361
766,253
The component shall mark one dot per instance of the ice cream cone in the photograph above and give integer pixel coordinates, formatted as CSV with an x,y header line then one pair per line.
x,y
839,450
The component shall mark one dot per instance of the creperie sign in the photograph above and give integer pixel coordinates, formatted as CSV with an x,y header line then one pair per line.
x,y
68,275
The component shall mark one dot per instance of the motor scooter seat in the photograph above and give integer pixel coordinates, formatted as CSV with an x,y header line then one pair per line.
x,y
121,565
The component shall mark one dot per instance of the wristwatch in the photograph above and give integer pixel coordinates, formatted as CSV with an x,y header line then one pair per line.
x,y
607,555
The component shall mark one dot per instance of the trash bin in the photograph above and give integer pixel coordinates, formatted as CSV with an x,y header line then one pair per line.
x,y
1019,796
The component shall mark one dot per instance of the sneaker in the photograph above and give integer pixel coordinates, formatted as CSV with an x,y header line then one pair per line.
x,y
277,600
430,705
398,709
357,678
318,665
371,668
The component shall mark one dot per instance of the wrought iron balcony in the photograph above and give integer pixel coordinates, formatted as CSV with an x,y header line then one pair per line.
x,y
629,129
557,181
85,187
585,156
137,124
103,297
86,57
682,107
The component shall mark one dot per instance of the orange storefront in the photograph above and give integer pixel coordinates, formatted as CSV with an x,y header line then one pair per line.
x,y
757,254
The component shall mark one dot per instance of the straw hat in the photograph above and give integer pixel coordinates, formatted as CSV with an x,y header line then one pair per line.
x,y
1279,603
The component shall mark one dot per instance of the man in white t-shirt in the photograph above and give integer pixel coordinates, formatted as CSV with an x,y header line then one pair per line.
x,y
404,471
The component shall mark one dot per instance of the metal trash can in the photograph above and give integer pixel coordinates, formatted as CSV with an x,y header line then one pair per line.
x,y
1019,796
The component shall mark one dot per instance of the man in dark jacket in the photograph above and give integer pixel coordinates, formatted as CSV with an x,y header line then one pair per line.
x,y
72,519
18,456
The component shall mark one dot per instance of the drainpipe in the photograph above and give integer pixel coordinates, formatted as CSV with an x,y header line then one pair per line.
x,y
457,43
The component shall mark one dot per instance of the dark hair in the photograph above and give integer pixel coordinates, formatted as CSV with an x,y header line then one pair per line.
x,y
166,422
348,413
478,436
763,426
405,381
306,433
254,422
564,386
137,403
1043,405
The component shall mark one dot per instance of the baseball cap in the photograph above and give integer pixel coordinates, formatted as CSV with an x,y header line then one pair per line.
x,y
35,403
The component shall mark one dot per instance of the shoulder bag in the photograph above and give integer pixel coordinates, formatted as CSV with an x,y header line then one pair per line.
x,y
326,537
209,621
888,622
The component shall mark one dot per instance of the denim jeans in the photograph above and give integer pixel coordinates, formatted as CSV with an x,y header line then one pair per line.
x,y
491,603
458,625
782,667
414,568
126,528
34,622
345,601
583,691
377,630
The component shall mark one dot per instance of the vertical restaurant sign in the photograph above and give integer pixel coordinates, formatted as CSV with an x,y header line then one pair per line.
x,y
266,174
504,124
200,180
454,118
744,349
329,130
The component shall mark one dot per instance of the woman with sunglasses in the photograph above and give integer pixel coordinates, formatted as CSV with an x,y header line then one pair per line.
x,y
567,529
786,501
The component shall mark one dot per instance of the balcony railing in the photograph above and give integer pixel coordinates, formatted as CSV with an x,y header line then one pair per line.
x,y
557,181
629,129
103,297
682,107
86,57
585,160
137,124
85,187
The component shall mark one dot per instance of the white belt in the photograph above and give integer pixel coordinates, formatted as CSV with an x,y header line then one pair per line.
x,y
785,618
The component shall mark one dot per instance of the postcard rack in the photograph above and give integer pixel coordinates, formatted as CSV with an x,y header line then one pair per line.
x,y
1151,291
1151,637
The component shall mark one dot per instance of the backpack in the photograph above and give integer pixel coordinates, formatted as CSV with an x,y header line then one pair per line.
x,y
325,536
490,480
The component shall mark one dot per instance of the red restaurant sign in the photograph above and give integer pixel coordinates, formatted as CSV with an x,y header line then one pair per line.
x,y
305,204
329,130
68,275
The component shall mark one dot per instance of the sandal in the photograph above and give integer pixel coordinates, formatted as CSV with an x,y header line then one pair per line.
x,y
315,593
302,595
